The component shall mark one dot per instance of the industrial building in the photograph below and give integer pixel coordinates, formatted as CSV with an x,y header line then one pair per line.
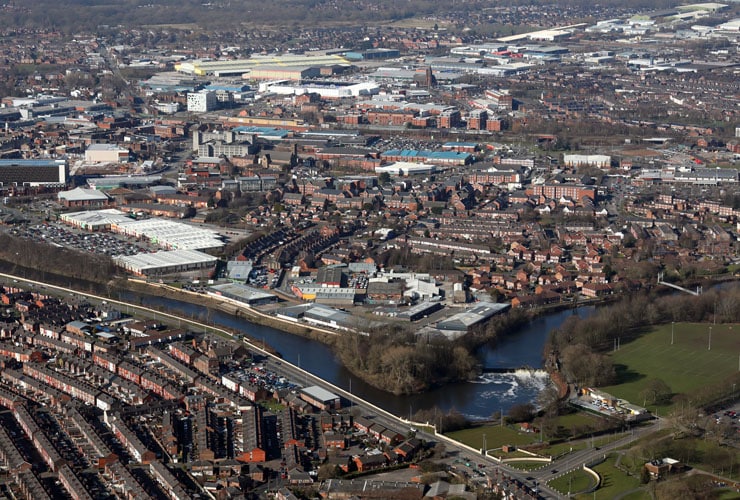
x,y
95,220
244,294
436,157
294,73
328,90
319,315
166,262
106,153
461,323
373,54
166,233
405,168
420,311
114,181
33,172
81,197
321,398
169,234
601,161
238,67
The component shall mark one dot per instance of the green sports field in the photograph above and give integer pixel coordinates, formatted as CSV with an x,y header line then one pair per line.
x,y
688,365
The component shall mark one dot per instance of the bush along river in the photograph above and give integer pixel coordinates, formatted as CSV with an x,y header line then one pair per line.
x,y
503,383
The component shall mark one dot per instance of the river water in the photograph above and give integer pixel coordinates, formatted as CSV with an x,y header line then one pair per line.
x,y
476,399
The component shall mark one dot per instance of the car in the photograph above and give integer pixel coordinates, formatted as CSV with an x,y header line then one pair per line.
x,y
554,471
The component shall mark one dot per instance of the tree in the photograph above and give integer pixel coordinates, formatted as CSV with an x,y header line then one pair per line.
x,y
523,412
656,391
328,471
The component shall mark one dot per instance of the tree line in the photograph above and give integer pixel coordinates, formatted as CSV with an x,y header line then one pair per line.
x,y
394,359
581,344
40,257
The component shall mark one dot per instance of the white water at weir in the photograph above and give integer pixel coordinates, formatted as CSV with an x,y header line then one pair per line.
x,y
477,400
508,388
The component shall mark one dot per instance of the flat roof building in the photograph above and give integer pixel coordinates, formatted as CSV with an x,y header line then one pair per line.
x,y
238,67
166,262
170,234
33,172
242,293
102,153
461,323
321,398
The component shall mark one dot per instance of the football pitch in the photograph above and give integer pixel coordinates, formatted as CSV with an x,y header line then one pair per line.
x,y
697,358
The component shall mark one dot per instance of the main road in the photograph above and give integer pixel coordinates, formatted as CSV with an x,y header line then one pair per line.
x,y
533,480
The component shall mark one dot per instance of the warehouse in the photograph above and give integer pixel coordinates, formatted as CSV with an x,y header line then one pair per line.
x,y
238,67
328,316
81,197
169,234
243,294
295,73
321,398
327,90
96,220
405,168
100,153
166,262
461,323
420,310
435,157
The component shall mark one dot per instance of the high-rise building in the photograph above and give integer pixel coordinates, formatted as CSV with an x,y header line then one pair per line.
x,y
220,437
203,101
182,430
252,429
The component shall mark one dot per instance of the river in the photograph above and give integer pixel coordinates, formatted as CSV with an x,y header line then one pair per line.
x,y
476,399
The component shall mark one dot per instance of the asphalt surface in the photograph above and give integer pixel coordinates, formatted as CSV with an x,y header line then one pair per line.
x,y
283,368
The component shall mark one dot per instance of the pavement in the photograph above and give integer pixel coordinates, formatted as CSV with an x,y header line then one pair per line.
x,y
538,479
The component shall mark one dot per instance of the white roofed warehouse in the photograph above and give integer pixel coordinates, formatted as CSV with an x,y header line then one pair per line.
x,y
81,197
168,262
321,398
242,293
461,323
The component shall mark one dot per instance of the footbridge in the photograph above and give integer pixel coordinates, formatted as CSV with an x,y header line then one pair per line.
x,y
679,288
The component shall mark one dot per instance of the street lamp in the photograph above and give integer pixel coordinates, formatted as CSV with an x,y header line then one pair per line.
x,y
709,347
673,323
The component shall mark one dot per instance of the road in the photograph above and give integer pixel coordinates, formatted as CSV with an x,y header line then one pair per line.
x,y
296,374
577,459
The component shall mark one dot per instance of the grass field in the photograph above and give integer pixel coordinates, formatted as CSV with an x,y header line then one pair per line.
x,y
686,366
572,482
496,436
614,481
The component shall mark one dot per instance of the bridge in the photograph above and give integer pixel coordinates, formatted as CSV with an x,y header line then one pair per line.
x,y
679,288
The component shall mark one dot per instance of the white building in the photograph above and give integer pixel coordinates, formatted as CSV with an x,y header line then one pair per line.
x,y
103,153
166,262
406,168
601,161
167,108
203,101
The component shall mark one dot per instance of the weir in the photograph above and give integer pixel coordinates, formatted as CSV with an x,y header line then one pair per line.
x,y
522,370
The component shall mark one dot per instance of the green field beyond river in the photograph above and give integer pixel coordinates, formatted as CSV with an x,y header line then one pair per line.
x,y
695,360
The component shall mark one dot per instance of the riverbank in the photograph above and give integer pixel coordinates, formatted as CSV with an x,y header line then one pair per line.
x,y
240,311
476,399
